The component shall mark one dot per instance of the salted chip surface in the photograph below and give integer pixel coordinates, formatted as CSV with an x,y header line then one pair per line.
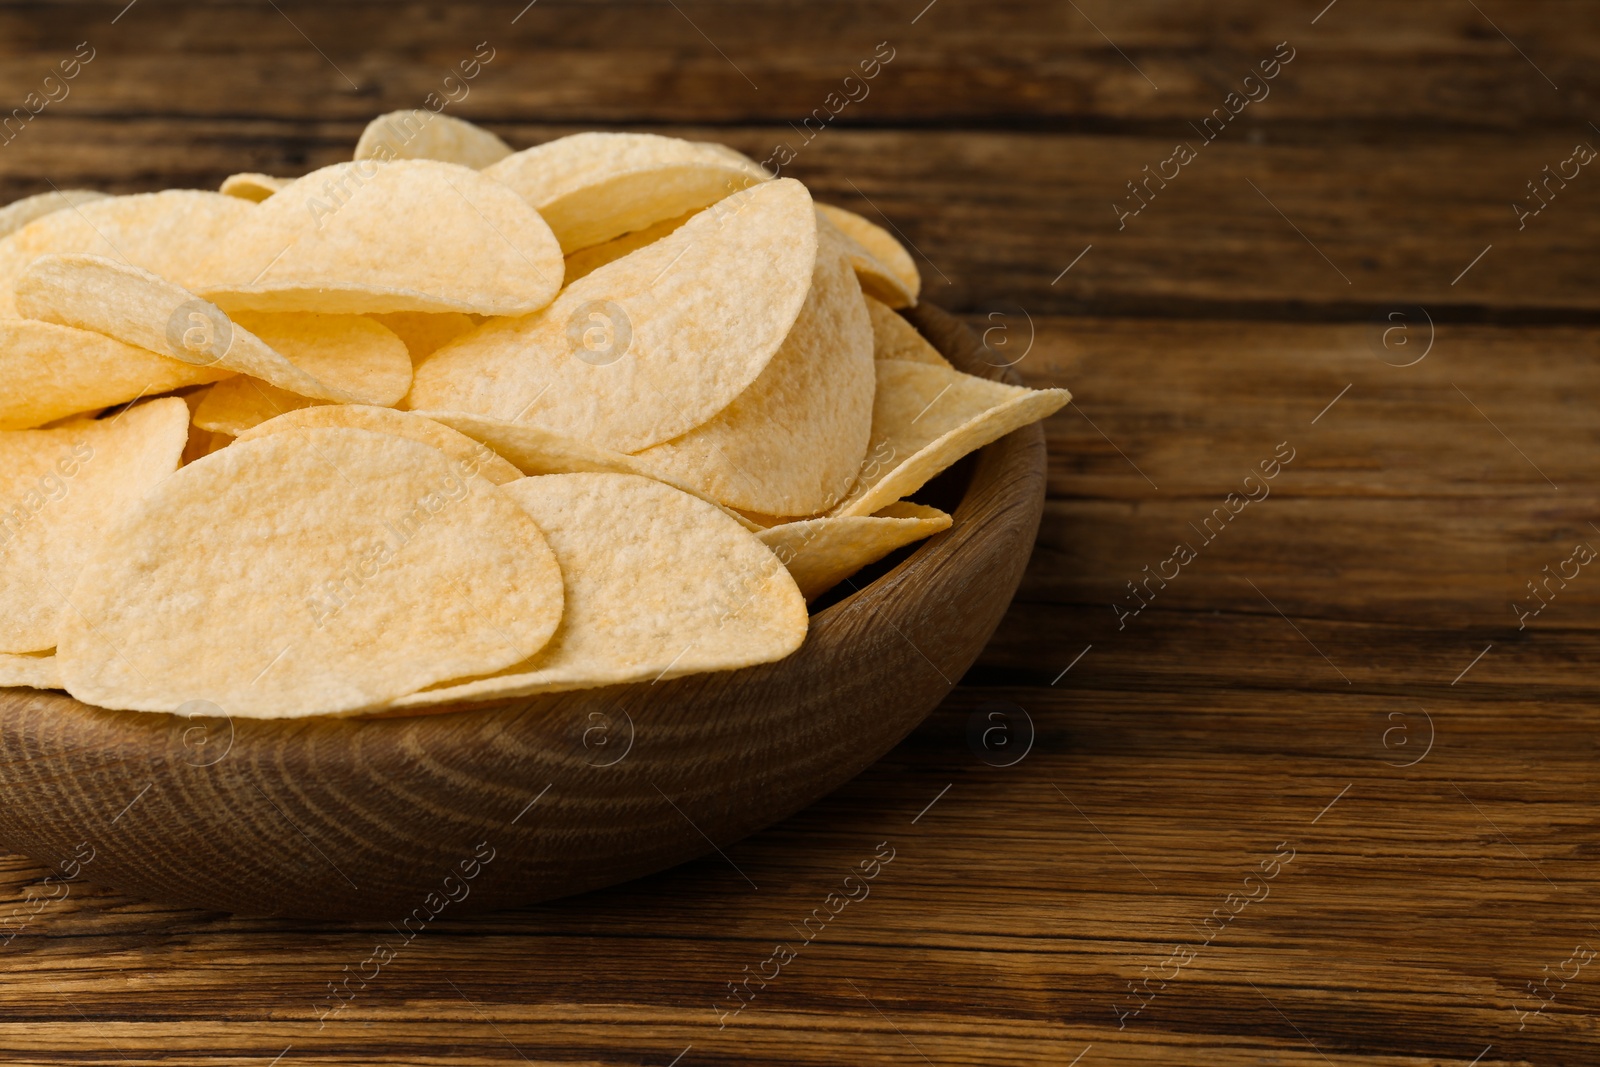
x,y
48,372
242,402
180,234
658,584
793,442
471,457
369,237
351,353
138,308
588,260
895,338
592,187
423,134
648,347
886,269
925,417
63,491
424,334
535,451
821,553
252,186
14,216
33,670
309,573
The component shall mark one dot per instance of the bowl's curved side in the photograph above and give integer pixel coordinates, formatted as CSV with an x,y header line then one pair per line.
x,y
490,808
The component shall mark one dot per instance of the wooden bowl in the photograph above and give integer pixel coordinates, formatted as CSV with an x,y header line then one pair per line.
x,y
384,818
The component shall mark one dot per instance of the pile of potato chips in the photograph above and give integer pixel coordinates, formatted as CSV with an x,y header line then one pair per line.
x,y
449,423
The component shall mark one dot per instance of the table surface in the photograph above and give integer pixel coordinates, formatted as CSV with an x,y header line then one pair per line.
x,y
1319,789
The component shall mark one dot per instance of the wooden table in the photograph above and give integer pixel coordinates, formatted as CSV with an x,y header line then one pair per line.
x,y
1325,798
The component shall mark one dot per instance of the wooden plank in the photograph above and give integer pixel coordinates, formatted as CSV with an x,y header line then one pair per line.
x,y
1006,930
1429,62
1417,495
998,217
1482,412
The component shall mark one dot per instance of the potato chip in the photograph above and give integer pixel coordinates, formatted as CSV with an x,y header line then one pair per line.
x,y
792,443
471,456
658,584
15,216
48,372
351,353
253,187
218,442
535,451
430,135
821,553
180,234
588,260
370,237
138,308
895,338
62,492
886,269
309,573
652,345
242,403
200,445
424,334
591,187
924,418
35,670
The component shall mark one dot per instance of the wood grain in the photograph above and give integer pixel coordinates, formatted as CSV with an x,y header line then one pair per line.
x,y
1177,752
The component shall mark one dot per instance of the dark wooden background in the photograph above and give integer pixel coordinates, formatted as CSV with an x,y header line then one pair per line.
x,y
1341,673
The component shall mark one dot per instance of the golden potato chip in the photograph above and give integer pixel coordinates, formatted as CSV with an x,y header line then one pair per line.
x,y
309,573
658,584
650,346
35,670
139,308
218,442
821,553
179,234
886,269
895,338
430,135
253,187
535,451
241,403
15,216
792,443
425,334
352,353
471,456
591,187
588,260
925,417
370,237
200,445
62,492
48,372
